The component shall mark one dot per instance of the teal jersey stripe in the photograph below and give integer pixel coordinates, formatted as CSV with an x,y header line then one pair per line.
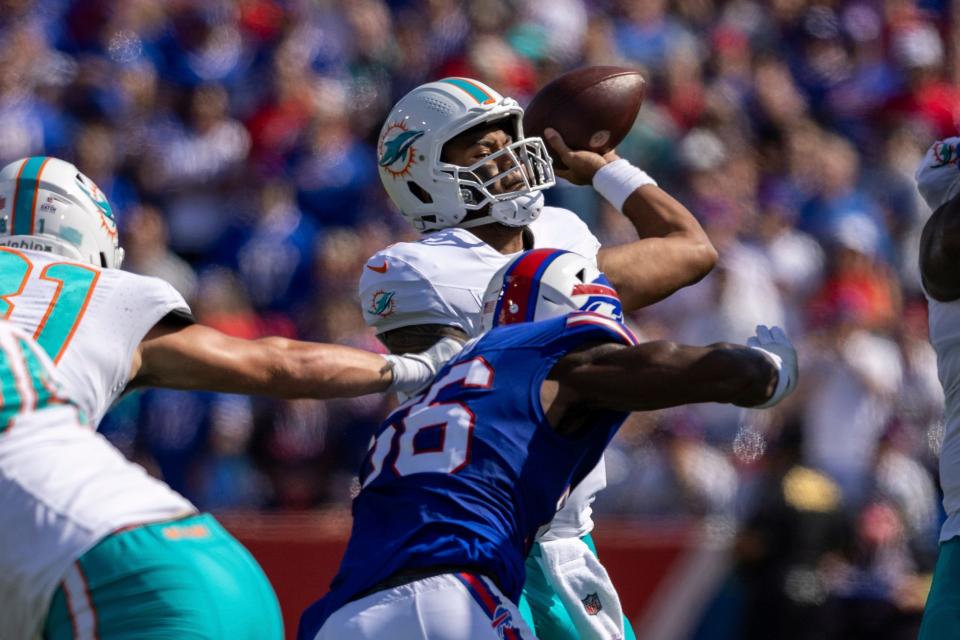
x,y
25,195
39,380
39,376
475,92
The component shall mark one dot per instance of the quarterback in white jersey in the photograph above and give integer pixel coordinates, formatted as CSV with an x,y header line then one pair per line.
x,y
454,159
938,179
91,545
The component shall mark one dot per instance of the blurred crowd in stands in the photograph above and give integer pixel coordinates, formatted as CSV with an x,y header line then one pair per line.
x,y
236,140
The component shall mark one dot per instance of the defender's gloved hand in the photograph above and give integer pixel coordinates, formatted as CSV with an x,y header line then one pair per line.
x,y
776,346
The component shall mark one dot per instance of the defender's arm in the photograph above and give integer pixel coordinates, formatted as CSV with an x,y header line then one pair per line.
x,y
656,375
202,358
673,250
940,252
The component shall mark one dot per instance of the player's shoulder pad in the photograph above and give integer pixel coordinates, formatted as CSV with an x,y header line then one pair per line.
x,y
148,292
428,258
561,228
397,288
559,215
399,262
588,325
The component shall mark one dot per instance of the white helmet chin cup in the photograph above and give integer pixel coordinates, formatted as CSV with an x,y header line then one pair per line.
x,y
515,212
547,283
433,194
519,211
46,204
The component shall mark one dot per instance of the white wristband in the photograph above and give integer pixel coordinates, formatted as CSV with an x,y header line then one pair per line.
x,y
414,371
409,373
783,380
616,180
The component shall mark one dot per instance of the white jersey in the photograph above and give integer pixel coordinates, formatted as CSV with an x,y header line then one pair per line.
x,y
88,320
441,279
63,487
945,338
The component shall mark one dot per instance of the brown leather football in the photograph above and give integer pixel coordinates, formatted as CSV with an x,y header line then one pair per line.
x,y
593,108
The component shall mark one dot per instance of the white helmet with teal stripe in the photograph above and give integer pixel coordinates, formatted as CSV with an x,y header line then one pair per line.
x,y
433,194
46,204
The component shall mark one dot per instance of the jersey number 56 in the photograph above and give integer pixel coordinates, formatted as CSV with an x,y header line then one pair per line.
x,y
447,426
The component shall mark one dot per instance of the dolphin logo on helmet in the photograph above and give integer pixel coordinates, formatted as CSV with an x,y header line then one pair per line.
x,y
398,149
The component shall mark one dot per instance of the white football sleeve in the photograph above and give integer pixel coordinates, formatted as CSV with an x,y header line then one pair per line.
x,y
395,294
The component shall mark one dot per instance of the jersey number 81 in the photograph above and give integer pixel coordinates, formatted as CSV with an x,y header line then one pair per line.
x,y
74,286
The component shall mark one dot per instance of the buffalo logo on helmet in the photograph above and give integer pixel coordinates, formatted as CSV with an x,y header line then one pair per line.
x,y
397,153
602,298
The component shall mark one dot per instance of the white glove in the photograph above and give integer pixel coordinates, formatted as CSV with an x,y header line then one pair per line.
x,y
774,343
413,371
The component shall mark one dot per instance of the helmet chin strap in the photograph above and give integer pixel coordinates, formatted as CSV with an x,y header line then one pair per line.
x,y
514,212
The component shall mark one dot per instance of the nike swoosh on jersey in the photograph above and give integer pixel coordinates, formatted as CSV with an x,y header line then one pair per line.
x,y
381,269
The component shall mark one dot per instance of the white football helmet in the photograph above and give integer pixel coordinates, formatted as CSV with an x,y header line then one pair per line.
x,y
433,194
548,283
46,204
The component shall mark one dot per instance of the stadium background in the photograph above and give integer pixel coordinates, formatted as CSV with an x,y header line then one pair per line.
x,y
236,141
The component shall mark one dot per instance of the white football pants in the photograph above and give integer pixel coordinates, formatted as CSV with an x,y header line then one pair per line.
x,y
460,606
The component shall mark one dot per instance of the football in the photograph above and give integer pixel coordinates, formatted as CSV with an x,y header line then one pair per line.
x,y
593,108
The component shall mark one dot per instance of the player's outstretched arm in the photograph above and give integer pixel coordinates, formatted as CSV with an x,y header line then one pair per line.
x,y
657,375
940,252
673,250
202,358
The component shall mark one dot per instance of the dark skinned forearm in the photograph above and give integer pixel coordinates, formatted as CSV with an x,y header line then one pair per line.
x,y
673,250
657,375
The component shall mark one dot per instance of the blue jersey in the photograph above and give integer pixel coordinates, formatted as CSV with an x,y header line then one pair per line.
x,y
464,474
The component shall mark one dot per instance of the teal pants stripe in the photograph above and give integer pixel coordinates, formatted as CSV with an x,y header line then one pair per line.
x,y
542,609
941,616
188,579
